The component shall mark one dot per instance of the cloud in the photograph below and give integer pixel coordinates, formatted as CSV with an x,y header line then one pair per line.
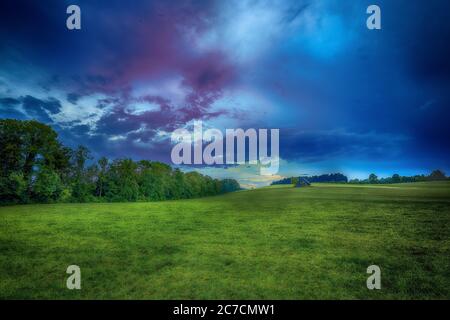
x,y
31,107
51,105
336,90
339,144
9,108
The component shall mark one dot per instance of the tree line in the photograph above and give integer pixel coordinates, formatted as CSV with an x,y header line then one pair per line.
x,y
436,175
37,168
330,178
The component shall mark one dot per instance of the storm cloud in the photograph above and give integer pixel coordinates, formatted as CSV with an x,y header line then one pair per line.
x,y
338,92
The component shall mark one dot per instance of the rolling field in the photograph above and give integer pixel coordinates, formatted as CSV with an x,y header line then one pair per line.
x,y
270,243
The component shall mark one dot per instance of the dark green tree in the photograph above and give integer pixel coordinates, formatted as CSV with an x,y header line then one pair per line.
x,y
82,187
47,186
373,178
102,176
36,167
25,148
437,175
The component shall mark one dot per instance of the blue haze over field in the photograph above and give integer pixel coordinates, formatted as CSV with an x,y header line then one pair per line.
x,y
345,98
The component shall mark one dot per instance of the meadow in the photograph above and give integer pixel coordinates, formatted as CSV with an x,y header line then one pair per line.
x,y
270,243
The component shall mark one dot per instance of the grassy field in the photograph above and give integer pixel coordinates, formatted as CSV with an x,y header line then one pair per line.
x,y
270,243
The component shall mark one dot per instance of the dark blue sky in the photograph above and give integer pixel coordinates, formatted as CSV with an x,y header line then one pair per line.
x,y
345,98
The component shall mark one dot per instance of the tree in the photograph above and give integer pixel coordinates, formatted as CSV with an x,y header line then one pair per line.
x,y
39,142
122,181
13,188
47,186
26,146
230,185
35,166
101,181
81,187
373,178
396,178
437,175
179,186
11,156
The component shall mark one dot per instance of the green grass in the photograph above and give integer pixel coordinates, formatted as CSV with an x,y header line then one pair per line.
x,y
270,243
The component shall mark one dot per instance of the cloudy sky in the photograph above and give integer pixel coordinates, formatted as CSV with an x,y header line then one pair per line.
x,y
345,98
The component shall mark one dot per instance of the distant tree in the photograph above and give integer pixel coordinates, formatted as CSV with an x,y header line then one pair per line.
x,y
396,178
229,185
333,178
282,181
419,178
437,175
373,178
